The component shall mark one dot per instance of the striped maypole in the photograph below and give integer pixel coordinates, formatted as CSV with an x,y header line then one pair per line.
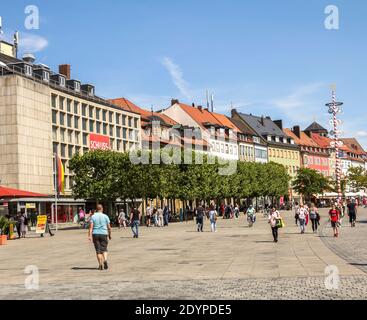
x,y
334,109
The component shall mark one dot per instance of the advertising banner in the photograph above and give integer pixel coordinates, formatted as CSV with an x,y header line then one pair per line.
x,y
99,142
41,224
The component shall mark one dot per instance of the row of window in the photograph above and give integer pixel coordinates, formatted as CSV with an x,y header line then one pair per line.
x,y
311,160
224,148
292,170
94,113
284,154
246,151
73,122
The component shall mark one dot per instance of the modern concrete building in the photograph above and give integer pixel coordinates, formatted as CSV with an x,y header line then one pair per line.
x,y
43,113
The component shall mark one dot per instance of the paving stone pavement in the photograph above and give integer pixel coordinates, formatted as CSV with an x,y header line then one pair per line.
x,y
179,263
352,244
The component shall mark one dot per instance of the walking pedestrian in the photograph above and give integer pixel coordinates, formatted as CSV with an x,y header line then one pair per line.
x,y
149,216
100,232
213,216
302,217
155,217
236,211
352,213
200,212
47,228
160,215
334,216
274,218
122,219
314,217
296,216
23,225
166,213
135,222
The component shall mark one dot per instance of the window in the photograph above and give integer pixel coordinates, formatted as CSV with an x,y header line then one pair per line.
x,y
136,123
55,147
62,135
123,120
76,122
98,113
117,118
129,119
76,107
118,132
77,86
110,116
62,119
54,133
84,110
111,130
84,124
53,101
98,127
70,151
85,139
61,103
104,115
68,105
62,82
69,120
70,136
124,133
91,126
28,70
91,109
77,138
54,116
105,129
63,150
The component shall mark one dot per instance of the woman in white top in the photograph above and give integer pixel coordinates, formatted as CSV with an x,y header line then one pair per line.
x,y
213,218
122,219
302,217
273,218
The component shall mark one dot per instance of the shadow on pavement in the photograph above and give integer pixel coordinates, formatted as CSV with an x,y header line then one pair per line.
x,y
80,269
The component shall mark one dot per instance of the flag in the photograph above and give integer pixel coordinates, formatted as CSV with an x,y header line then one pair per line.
x,y
60,176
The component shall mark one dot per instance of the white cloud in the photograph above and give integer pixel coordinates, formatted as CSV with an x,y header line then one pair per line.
x,y
177,77
31,43
302,105
362,134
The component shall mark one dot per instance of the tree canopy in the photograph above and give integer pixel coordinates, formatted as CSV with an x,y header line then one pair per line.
x,y
108,176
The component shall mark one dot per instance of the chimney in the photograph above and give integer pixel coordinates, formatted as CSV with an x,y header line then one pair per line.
x,y
193,105
64,69
262,120
279,123
174,101
233,112
200,108
297,131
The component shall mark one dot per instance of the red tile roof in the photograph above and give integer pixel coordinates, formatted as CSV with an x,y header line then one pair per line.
x,y
127,105
203,117
303,140
353,145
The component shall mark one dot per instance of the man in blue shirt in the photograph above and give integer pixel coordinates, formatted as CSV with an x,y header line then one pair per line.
x,y
99,233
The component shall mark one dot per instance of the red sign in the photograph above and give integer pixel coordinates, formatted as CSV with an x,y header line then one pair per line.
x,y
98,142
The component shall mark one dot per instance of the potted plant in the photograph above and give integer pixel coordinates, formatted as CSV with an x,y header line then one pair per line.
x,y
4,228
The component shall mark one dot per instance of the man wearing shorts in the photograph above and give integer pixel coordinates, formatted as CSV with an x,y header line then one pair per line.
x,y
100,233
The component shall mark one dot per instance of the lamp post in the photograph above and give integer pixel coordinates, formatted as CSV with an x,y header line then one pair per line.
x,y
334,109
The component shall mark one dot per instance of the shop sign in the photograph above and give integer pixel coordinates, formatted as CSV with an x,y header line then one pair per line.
x,y
30,206
41,224
99,142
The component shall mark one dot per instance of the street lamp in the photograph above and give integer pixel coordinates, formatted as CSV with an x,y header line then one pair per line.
x,y
334,109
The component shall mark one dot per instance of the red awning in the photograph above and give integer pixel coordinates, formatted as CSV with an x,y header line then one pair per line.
x,y
14,193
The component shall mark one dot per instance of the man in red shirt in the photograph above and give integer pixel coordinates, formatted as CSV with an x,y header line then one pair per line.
x,y
334,215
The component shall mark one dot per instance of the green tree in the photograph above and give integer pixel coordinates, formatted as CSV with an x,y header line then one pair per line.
x,y
357,178
309,182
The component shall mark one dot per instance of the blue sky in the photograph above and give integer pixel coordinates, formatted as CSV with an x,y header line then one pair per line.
x,y
265,57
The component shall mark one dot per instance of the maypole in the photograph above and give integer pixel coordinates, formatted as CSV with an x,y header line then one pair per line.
x,y
334,109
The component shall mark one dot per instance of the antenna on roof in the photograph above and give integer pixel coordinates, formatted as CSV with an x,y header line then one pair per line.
x,y
212,102
207,99
16,43
1,26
